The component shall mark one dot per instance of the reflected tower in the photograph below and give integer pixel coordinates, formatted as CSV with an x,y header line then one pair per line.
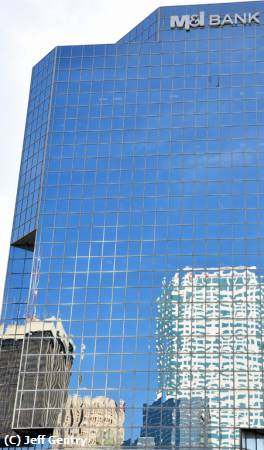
x,y
209,347
45,368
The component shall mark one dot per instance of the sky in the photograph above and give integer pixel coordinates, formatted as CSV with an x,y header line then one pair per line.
x,y
29,30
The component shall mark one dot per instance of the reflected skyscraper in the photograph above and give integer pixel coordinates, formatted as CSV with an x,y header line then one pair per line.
x,y
46,366
142,158
209,346
171,423
161,422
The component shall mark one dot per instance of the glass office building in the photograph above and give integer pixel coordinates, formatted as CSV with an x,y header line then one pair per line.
x,y
137,254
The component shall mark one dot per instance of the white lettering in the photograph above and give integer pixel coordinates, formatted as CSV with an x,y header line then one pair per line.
x,y
179,22
69,441
253,18
41,438
17,438
187,22
240,19
197,20
214,20
227,20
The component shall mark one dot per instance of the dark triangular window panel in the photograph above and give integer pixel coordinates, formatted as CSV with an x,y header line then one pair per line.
x,y
27,242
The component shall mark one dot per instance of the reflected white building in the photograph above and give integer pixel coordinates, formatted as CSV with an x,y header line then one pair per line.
x,y
99,421
209,345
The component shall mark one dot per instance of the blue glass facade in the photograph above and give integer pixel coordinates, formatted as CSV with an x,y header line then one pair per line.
x,y
136,261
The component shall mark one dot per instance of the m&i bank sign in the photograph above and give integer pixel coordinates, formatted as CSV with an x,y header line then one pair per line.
x,y
214,20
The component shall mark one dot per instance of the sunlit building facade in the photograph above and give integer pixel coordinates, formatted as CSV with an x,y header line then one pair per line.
x,y
139,227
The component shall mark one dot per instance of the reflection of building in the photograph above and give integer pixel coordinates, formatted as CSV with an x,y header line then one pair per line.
x,y
99,420
40,379
209,345
193,422
11,346
160,421
174,423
